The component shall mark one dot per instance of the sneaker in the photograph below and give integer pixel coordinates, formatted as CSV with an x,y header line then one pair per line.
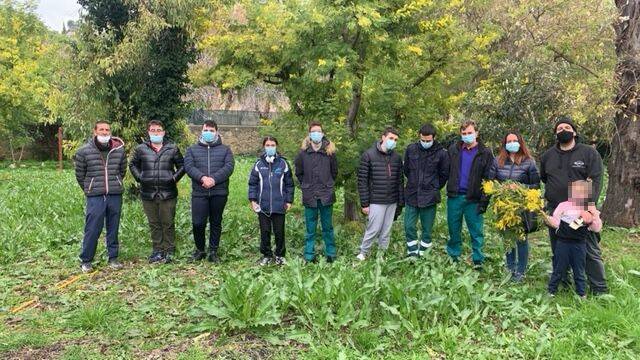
x,y
265,261
477,265
517,278
213,257
167,258
552,295
198,255
331,259
311,261
86,267
155,257
280,260
361,257
115,264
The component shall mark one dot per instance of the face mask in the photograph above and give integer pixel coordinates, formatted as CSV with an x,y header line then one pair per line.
x,y
209,137
270,150
156,139
468,139
103,139
564,136
512,147
316,136
390,144
426,144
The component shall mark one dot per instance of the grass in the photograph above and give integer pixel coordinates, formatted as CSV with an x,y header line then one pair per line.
x,y
387,308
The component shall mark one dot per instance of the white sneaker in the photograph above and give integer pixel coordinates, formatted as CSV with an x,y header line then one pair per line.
x,y
361,257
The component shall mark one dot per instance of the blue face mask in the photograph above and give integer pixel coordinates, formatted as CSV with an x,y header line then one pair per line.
x,y
270,150
209,137
316,136
156,139
390,144
426,144
512,147
468,139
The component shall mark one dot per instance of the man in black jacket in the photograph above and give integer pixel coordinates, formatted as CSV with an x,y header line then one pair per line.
x,y
100,166
158,166
426,166
381,190
471,164
209,164
317,170
566,162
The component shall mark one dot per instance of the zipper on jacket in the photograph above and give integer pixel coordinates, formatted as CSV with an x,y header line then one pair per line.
x,y
91,184
208,166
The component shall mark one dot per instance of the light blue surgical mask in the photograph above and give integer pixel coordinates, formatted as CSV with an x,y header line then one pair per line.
x,y
512,147
390,144
316,136
468,139
156,139
209,136
270,150
426,144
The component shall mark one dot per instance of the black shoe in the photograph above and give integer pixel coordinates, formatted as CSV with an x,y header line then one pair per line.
x,y
331,259
198,255
167,258
477,265
115,264
155,257
213,257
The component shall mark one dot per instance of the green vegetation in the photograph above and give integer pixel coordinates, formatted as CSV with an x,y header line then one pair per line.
x,y
383,308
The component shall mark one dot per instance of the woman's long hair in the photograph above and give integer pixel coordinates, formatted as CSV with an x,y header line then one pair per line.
x,y
520,156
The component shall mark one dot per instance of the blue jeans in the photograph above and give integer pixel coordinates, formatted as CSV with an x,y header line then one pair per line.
x,y
569,254
326,221
101,210
518,258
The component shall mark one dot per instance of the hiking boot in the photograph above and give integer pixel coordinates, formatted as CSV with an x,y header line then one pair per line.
x,y
115,264
86,267
213,257
198,255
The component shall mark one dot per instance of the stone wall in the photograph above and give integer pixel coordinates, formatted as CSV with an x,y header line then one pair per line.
x,y
243,140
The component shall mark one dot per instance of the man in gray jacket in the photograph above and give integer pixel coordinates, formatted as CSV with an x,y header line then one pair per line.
x,y
100,166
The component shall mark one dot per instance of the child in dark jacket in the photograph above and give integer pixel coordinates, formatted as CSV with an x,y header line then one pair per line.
x,y
271,195
573,220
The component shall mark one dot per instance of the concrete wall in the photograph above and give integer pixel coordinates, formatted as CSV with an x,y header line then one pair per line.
x,y
243,140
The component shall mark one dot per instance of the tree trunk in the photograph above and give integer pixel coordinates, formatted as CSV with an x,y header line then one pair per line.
x,y
622,205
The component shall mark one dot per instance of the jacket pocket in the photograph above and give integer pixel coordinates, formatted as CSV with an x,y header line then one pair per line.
x,y
119,182
90,185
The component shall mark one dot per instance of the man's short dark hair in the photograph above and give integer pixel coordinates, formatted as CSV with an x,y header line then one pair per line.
x,y
391,130
156,123
427,129
468,123
315,123
95,126
211,124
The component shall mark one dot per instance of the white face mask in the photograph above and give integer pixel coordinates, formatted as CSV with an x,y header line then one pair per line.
x,y
103,139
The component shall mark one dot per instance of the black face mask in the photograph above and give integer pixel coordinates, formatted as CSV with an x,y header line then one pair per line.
x,y
564,137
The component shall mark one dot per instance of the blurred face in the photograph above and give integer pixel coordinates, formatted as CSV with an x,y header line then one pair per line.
x,y
156,130
580,190
102,130
426,138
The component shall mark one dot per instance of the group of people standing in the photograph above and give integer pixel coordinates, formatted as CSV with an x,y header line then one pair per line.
x,y
571,171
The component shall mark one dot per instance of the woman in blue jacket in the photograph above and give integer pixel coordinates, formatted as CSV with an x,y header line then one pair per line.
x,y
271,195
514,163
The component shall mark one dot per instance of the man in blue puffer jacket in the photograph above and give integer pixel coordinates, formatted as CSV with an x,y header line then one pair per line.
x,y
271,195
209,164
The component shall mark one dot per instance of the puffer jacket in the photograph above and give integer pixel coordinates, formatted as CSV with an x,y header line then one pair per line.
x,y
380,177
157,172
213,160
98,175
427,171
481,169
317,172
271,185
525,173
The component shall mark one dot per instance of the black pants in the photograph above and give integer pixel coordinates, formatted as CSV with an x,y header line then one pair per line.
x,y
569,254
268,224
594,266
161,215
207,208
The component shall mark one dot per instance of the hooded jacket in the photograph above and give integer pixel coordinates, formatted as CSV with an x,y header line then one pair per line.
x,y
316,172
157,172
214,160
271,185
101,174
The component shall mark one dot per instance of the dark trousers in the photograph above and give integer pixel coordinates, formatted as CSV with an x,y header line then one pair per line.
x,y
161,215
569,254
268,224
594,266
100,211
207,208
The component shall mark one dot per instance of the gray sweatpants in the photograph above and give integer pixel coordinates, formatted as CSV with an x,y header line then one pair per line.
x,y
379,225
